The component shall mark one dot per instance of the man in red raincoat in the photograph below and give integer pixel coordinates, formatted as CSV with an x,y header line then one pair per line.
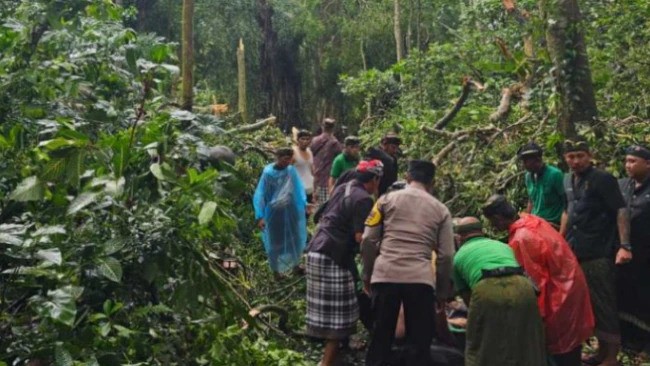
x,y
564,301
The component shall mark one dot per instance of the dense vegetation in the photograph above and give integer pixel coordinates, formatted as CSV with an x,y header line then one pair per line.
x,y
115,233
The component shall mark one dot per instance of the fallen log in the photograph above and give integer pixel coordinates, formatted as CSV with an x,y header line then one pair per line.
x,y
254,126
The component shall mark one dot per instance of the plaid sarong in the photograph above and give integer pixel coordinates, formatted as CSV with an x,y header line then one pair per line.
x,y
332,308
321,195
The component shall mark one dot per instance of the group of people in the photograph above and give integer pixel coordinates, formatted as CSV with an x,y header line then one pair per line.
x,y
576,264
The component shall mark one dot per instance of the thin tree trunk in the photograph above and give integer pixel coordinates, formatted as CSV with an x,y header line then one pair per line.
x,y
398,32
566,46
188,55
241,76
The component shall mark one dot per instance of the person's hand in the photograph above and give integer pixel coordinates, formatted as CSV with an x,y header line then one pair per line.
x,y
623,256
366,287
310,209
261,224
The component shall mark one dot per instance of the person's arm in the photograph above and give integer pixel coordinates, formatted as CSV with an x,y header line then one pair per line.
x,y
563,223
259,201
330,184
611,193
529,207
372,236
335,172
444,257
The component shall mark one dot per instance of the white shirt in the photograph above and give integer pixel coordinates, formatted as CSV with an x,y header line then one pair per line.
x,y
304,168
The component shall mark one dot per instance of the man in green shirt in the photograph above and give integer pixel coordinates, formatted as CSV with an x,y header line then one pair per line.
x,y
346,160
544,184
504,326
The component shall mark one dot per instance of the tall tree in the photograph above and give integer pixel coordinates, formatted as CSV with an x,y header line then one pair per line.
x,y
188,55
399,44
566,46
241,79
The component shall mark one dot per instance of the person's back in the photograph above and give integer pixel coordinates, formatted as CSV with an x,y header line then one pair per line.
x,y
564,301
414,224
324,147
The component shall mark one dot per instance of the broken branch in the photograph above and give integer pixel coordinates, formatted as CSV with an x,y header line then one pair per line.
x,y
254,126
467,87
504,106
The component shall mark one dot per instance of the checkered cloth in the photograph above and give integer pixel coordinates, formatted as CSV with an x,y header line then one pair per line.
x,y
321,195
332,308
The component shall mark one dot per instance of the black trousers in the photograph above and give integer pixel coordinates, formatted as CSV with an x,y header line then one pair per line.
x,y
571,358
419,303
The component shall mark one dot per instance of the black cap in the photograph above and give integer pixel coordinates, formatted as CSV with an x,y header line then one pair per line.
x,y
576,145
638,151
494,205
422,171
531,149
391,138
351,141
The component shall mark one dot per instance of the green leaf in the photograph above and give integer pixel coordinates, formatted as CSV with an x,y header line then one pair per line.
x,y
30,189
10,239
49,230
82,201
114,245
111,269
61,306
156,170
50,255
207,211
62,357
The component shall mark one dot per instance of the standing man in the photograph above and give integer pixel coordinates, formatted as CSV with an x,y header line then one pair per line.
x,y
544,184
332,308
633,283
410,224
595,210
324,147
347,160
303,160
503,325
387,153
280,206
563,301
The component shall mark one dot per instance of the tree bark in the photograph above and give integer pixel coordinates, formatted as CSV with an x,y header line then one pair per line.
x,y
399,44
241,76
566,46
188,55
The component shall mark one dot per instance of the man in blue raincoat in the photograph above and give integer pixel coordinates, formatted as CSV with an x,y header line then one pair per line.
x,y
280,205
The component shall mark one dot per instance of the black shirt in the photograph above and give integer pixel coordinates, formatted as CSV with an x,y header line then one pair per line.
x,y
342,218
638,204
593,201
390,168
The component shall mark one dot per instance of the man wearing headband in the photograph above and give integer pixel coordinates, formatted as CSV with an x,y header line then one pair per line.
x,y
325,147
546,257
332,308
387,152
595,210
347,160
544,184
633,282
303,160
504,326
280,206
402,231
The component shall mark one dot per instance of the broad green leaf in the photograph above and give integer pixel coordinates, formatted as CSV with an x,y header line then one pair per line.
x,y
82,201
49,230
10,239
111,269
50,255
115,188
62,357
61,142
30,189
61,305
114,245
207,211
156,170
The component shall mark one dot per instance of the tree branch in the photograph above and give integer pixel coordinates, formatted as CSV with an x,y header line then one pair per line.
x,y
504,106
254,126
467,87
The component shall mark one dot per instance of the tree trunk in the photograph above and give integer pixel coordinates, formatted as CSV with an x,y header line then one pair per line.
x,y
281,78
566,46
188,55
241,76
399,44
